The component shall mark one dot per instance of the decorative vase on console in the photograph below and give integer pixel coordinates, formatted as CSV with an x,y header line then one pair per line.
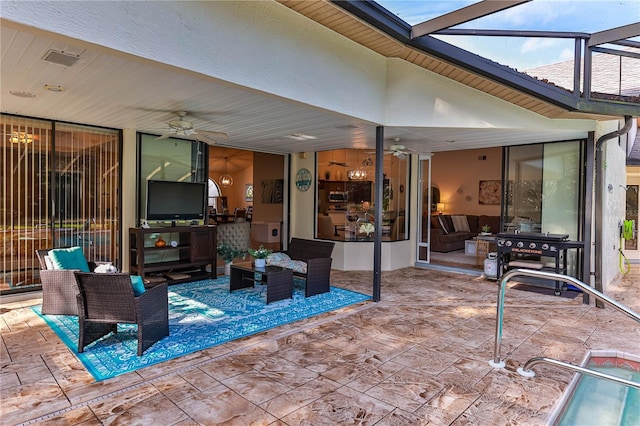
x,y
160,242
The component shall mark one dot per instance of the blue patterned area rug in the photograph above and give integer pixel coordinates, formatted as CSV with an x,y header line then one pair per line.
x,y
201,314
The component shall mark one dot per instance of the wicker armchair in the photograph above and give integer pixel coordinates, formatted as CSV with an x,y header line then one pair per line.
x,y
317,255
108,299
59,288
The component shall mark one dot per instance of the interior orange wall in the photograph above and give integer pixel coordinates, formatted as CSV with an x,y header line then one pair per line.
x,y
266,166
458,174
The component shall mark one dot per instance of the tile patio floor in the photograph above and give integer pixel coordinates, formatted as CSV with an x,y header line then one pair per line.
x,y
420,356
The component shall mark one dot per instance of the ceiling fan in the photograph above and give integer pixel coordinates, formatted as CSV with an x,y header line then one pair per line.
x,y
396,149
183,128
338,163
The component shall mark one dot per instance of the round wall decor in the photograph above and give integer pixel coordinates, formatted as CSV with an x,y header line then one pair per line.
x,y
303,179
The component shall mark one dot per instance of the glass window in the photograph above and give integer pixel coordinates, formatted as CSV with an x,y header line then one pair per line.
x,y
171,159
346,195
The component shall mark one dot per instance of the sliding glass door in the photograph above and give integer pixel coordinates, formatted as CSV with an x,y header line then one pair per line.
x,y
544,190
60,188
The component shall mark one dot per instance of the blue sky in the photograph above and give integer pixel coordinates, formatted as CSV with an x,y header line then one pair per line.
x,y
541,15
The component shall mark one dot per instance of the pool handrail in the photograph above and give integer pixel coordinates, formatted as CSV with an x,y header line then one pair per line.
x,y
527,372
496,362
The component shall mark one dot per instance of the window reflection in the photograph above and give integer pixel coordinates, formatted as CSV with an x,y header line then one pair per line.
x,y
346,196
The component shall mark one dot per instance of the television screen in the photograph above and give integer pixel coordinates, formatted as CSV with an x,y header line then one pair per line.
x,y
175,200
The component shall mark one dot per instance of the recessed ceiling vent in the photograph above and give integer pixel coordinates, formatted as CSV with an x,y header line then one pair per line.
x,y
60,58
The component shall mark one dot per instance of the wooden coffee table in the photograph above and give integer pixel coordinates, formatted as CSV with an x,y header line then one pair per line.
x,y
279,281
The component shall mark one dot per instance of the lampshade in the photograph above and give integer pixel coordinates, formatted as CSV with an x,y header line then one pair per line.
x,y
440,207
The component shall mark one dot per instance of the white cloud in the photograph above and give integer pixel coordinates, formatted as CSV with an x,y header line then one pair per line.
x,y
537,44
566,55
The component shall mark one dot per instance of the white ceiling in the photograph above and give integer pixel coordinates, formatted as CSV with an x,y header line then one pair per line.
x,y
115,90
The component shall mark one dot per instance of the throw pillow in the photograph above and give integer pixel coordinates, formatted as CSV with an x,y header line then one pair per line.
x,y
275,258
69,258
443,224
137,284
460,223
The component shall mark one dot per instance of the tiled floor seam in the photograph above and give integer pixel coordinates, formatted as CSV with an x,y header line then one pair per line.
x,y
313,324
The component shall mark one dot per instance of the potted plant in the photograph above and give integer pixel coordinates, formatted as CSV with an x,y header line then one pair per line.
x,y
486,230
229,253
260,254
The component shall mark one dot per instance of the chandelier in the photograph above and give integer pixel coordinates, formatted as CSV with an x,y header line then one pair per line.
x,y
20,137
226,179
358,174
361,173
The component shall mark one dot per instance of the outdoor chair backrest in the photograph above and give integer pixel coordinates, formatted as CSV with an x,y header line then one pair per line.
x,y
107,296
42,254
301,249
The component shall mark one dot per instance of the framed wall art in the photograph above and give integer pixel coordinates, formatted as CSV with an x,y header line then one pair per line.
x,y
489,192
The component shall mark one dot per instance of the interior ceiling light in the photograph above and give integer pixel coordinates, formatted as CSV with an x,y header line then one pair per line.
x,y
21,137
226,179
358,174
301,137
53,88
60,58
21,94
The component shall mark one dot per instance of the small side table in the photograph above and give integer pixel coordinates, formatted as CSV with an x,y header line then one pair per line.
x,y
279,281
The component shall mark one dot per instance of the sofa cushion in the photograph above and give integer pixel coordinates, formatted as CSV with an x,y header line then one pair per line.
x,y
443,224
69,258
474,226
137,284
460,223
284,261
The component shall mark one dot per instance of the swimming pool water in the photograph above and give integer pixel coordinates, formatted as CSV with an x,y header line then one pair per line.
x,y
602,402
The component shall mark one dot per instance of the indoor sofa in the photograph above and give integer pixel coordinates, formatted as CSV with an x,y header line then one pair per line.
x,y
449,232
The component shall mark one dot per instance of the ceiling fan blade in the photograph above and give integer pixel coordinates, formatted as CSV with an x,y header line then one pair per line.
x,y
165,136
205,139
213,135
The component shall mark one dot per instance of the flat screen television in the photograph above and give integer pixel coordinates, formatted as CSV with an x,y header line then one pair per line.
x,y
176,200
